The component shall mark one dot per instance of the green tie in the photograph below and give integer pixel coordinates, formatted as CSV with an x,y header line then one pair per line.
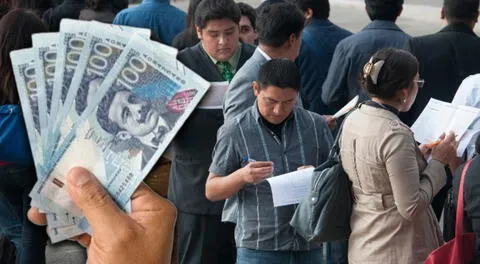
x,y
225,70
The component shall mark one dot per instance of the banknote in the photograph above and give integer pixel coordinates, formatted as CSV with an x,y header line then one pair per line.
x,y
100,51
23,64
73,34
63,233
45,54
124,130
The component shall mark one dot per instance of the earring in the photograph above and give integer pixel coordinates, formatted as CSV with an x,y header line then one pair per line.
x,y
405,100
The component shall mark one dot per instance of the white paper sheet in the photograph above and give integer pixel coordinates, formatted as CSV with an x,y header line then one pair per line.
x,y
346,108
439,117
291,188
214,97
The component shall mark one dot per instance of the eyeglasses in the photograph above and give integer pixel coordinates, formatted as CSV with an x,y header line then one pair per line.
x,y
420,83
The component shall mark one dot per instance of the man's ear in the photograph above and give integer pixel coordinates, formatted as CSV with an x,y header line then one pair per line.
x,y
256,88
292,39
308,15
123,135
442,14
199,32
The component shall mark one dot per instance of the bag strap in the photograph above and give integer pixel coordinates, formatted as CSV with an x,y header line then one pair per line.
x,y
335,150
459,216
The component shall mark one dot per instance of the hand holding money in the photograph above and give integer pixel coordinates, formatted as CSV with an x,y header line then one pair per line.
x,y
143,236
102,97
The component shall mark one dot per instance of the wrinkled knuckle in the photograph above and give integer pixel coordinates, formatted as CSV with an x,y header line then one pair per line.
x,y
96,197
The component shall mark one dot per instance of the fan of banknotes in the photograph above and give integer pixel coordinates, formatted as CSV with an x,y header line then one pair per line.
x,y
103,97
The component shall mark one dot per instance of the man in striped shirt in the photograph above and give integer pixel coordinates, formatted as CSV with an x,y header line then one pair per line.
x,y
282,138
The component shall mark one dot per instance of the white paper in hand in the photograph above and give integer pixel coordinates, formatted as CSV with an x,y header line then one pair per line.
x,y
291,188
346,108
439,117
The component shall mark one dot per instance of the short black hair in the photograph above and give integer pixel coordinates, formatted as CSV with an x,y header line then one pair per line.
x,y
397,73
248,11
282,73
277,21
215,10
461,9
320,8
384,9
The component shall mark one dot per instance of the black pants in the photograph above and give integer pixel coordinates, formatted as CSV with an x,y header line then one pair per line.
x,y
204,239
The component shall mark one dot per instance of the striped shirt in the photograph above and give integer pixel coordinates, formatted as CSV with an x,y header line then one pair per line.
x,y
305,140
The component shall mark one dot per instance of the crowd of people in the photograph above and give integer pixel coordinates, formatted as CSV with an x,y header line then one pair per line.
x,y
288,68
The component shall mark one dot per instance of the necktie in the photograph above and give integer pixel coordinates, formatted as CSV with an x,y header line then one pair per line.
x,y
225,70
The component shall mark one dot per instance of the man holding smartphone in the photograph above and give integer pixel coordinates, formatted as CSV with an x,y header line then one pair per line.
x,y
272,137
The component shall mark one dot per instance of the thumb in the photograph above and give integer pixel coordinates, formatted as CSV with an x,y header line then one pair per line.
x,y
90,196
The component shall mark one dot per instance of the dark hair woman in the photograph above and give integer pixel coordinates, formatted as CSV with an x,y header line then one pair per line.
x,y
392,220
188,37
102,10
17,176
36,6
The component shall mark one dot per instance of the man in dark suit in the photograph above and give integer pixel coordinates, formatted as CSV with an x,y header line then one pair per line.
x,y
446,58
319,40
351,54
201,236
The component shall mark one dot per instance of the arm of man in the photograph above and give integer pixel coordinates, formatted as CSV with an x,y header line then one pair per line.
x,y
227,176
223,187
334,89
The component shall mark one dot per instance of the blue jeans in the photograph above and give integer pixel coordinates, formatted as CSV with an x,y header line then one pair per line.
x,y
16,183
336,252
251,256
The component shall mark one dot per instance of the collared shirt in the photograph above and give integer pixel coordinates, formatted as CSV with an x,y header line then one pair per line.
x,y
351,54
233,61
264,54
165,20
306,140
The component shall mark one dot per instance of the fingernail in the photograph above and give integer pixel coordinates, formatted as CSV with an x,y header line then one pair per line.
x,y
79,179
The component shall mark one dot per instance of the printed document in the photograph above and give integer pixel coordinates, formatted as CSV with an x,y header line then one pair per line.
x,y
214,97
291,188
439,117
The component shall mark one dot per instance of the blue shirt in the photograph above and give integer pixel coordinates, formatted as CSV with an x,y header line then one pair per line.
x,y
351,55
319,40
165,20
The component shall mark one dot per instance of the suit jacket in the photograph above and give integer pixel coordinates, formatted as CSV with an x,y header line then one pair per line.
x,y
446,58
67,9
239,95
319,40
193,145
392,220
351,55
164,19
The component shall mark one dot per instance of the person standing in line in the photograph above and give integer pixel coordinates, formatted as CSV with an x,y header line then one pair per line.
x,y
270,138
351,54
17,171
165,20
446,58
201,235
392,220
319,40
